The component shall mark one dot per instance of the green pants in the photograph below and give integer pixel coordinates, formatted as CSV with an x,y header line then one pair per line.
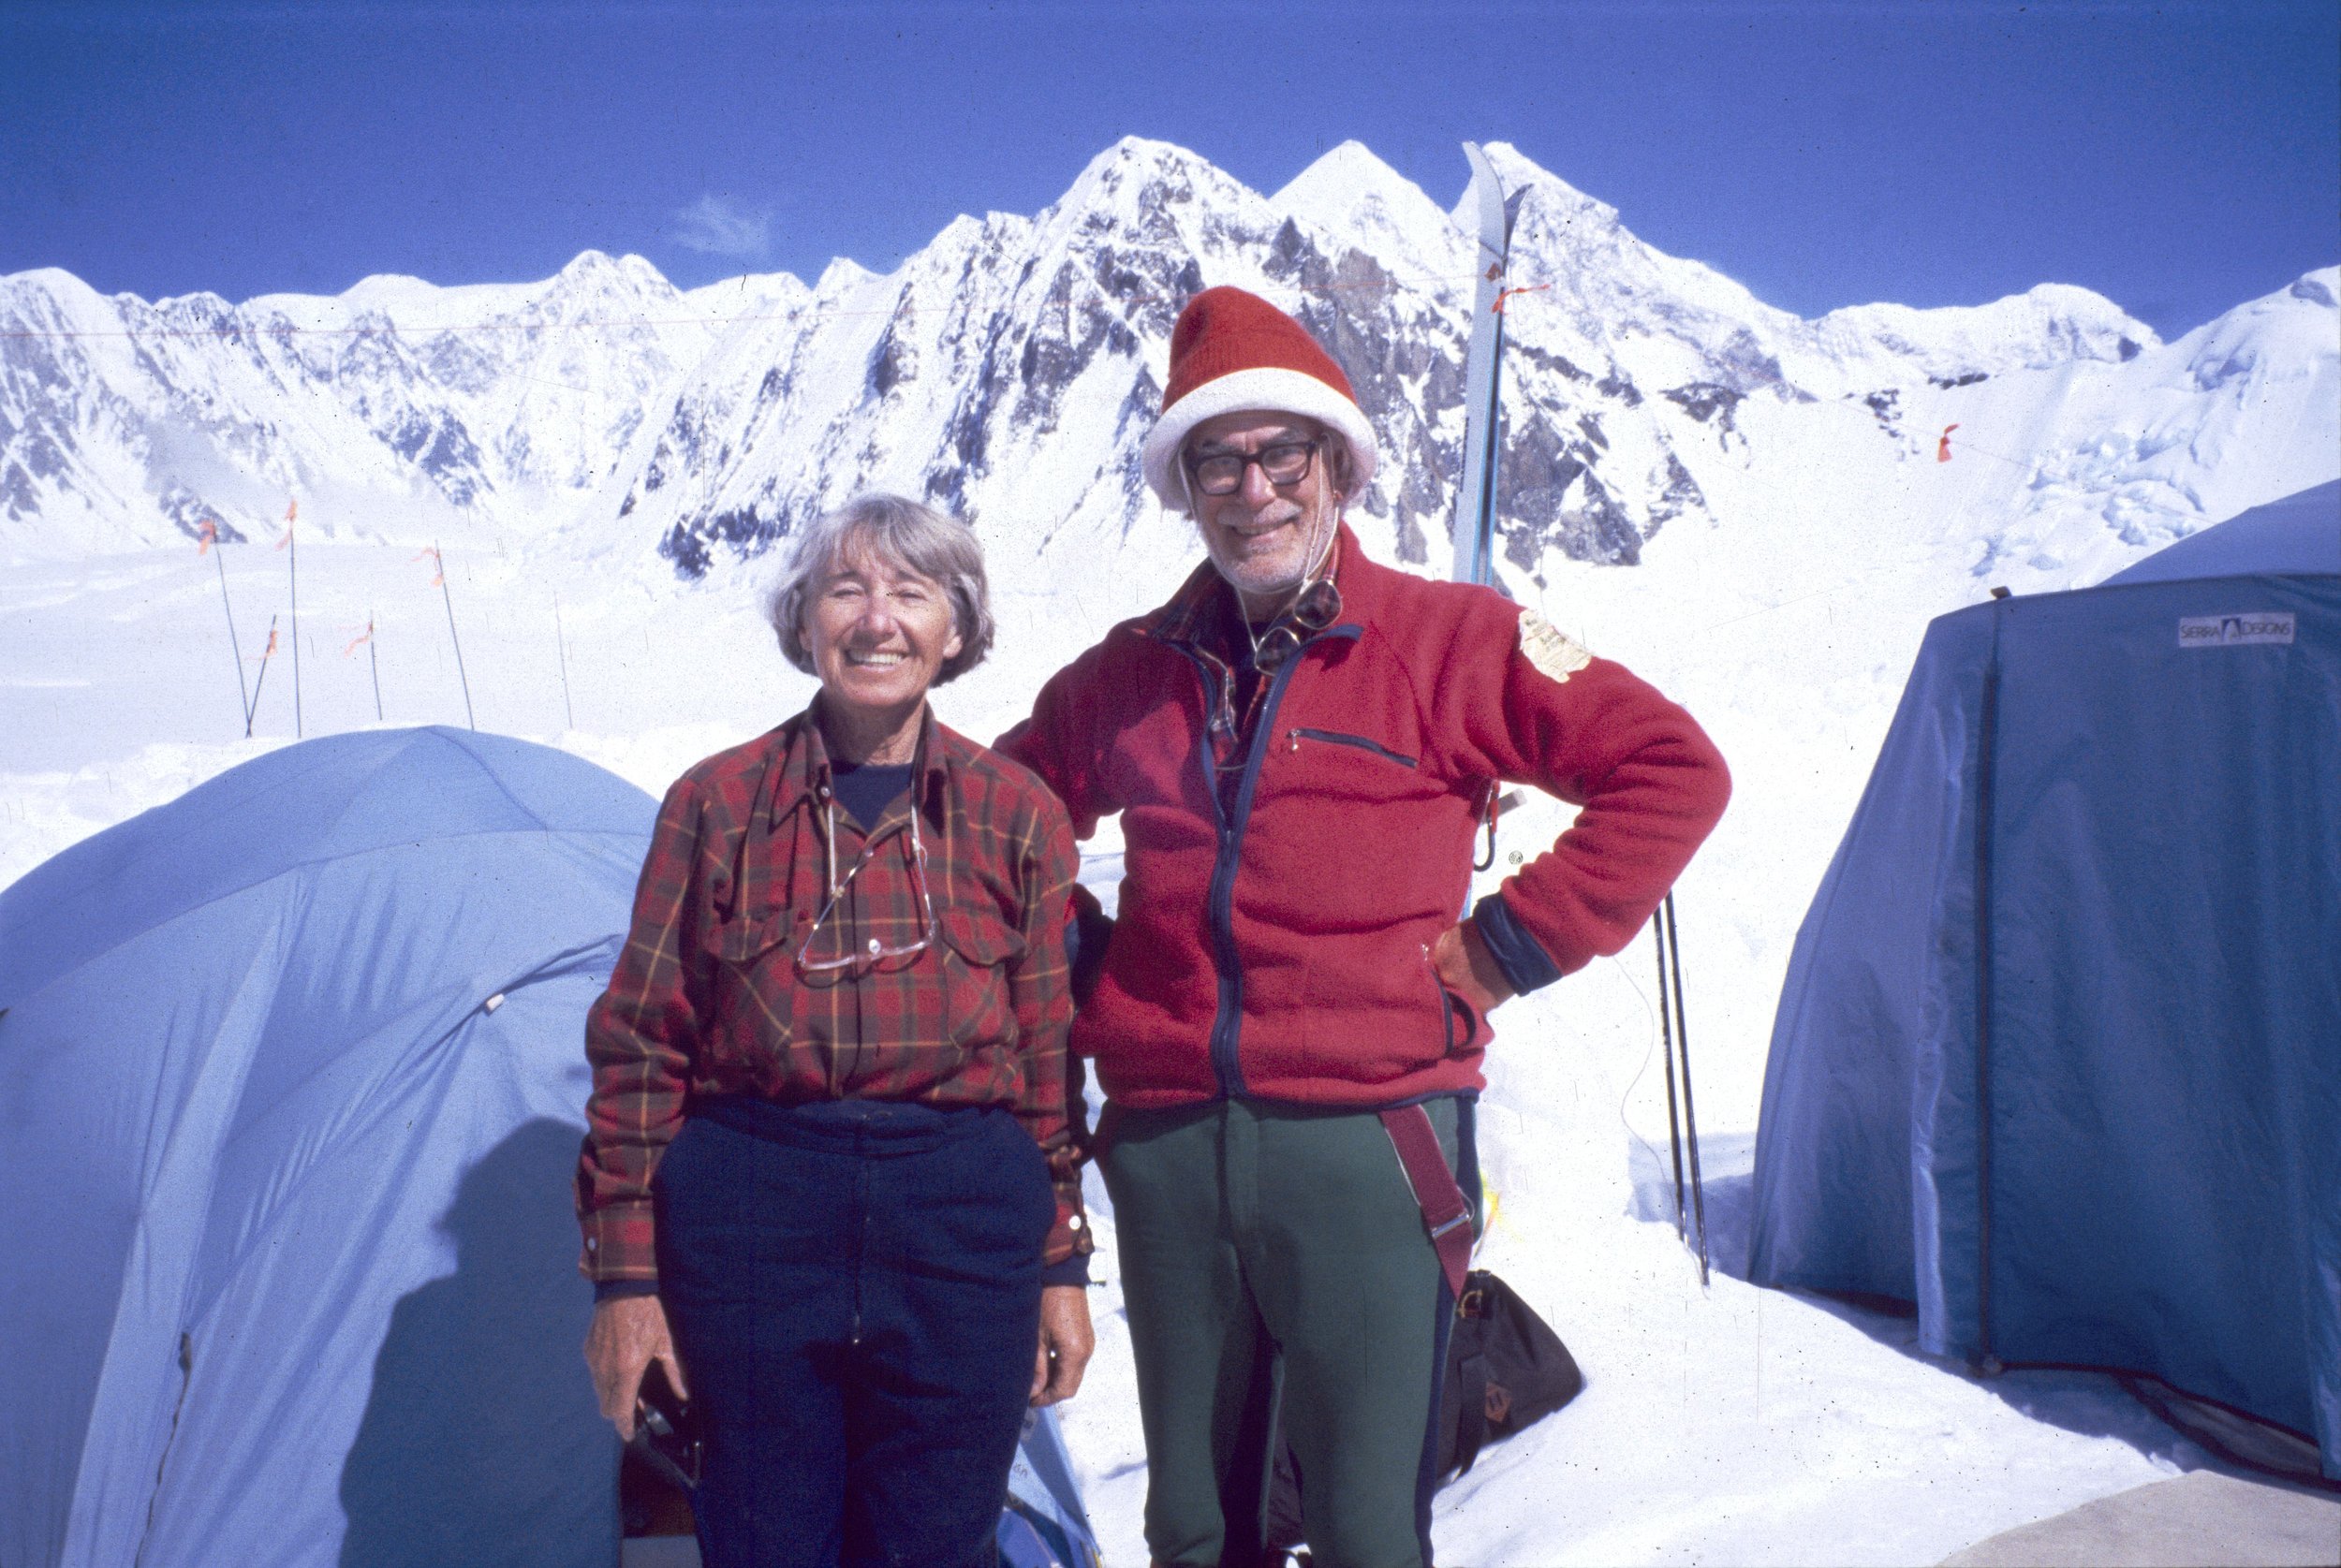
x,y
1277,1275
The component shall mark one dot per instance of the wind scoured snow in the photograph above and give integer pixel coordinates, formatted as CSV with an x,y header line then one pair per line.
x,y
1773,481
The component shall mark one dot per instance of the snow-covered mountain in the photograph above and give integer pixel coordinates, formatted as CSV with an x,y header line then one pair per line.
x,y
122,421
1009,369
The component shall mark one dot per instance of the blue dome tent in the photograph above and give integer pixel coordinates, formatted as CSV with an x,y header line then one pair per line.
x,y
2058,1056
294,1067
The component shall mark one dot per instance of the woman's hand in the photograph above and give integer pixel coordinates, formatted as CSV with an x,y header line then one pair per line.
x,y
1464,966
629,1332
1066,1343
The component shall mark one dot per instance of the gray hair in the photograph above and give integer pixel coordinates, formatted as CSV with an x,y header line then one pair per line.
x,y
903,534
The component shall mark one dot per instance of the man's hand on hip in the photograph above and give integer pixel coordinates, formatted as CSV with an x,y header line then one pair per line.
x,y
1464,966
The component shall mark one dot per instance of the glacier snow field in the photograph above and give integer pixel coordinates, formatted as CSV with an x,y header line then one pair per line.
x,y
1721,1424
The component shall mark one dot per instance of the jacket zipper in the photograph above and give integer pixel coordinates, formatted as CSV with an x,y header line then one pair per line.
x,y
1229,977
1227,1024
1334,736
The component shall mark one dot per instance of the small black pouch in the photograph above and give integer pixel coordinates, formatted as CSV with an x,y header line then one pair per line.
x,y
1506,1370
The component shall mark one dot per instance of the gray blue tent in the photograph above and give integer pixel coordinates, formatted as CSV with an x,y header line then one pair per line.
x,y
2058,1056
291,1070
292,1081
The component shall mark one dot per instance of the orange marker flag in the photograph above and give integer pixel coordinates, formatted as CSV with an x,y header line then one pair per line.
x,y
206,538
1942,447
270,651
438,566
364,637
292,508
1504,294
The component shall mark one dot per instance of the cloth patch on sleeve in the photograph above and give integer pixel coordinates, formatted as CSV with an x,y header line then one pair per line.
x,y
1551,654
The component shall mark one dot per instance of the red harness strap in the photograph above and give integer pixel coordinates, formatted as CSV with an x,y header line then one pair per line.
x,y
1445,1214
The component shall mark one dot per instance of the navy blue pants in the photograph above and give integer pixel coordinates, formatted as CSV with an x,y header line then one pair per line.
x,y
854,1288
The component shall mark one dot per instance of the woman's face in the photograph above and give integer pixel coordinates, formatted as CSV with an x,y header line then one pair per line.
x,y
878,632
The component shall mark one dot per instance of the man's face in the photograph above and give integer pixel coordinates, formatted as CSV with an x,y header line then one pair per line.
x,y
1261,534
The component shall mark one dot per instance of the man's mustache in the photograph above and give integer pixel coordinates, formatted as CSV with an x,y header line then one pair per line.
x,y
1277,513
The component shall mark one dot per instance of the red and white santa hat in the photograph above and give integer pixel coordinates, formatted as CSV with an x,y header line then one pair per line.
x,y
1234,351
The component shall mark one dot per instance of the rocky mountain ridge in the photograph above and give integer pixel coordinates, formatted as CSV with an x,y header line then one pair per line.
x,y
1008,369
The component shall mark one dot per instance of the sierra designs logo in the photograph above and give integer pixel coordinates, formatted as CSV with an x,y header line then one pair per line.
x,y
2228,631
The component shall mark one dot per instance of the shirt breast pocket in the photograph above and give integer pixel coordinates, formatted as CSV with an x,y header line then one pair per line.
x,y
978,947
742,942
755,980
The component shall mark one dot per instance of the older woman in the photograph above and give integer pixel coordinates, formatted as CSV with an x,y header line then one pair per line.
x,y
830,1145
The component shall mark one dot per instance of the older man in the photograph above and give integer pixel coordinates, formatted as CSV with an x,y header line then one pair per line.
x,y
1290,1018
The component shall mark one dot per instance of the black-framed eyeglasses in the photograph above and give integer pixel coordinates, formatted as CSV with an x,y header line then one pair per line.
x,y
1283,463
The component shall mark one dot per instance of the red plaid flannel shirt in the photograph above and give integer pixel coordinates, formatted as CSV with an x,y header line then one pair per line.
x,y
708,998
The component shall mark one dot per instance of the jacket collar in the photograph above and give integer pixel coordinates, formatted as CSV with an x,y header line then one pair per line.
x,y
1195,610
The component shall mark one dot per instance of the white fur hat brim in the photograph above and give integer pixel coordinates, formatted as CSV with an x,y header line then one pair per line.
x,y
1267,388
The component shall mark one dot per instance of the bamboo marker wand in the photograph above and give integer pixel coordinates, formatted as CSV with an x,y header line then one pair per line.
x,y
451,635
292,566
209,539
292,572
374,664
560,646
266,653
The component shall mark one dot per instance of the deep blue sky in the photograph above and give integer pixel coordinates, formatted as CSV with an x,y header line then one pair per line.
x,y
2180,158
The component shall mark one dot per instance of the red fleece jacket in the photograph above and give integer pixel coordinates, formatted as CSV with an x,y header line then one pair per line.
x,y
1278,947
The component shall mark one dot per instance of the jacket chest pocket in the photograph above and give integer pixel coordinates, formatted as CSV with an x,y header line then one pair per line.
x,y
1344,766
1303,736
978,949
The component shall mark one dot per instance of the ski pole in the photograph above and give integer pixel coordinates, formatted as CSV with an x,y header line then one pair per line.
x,y
1691,1116
1665,1041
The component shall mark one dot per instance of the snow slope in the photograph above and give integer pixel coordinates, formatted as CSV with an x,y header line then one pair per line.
x,y
1744,506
